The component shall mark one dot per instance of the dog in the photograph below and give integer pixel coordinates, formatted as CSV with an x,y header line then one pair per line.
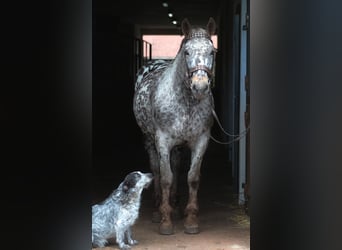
x,y
115,216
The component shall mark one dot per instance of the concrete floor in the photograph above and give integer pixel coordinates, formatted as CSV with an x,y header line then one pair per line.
x,y
223,224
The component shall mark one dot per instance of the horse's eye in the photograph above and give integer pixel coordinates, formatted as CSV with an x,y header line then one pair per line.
x,y
186,53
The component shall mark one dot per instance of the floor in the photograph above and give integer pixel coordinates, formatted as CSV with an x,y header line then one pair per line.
x,y
224,224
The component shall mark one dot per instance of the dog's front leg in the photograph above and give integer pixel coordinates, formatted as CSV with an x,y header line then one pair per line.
x,y
120,239
128,234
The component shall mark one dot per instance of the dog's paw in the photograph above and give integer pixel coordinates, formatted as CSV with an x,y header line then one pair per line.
x,y
132,242
99,243
124,247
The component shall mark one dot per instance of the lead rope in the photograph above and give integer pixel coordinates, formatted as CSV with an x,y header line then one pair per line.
x,y
239,136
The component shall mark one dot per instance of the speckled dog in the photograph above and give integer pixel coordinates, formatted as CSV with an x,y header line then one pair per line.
x,y
115,215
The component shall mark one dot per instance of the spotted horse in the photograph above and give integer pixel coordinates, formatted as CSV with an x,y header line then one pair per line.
x,y
173,106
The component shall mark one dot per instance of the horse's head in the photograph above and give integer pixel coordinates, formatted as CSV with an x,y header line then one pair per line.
x,y
199,55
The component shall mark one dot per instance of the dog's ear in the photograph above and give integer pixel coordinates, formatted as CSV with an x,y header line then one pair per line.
x,y
129,182
127,185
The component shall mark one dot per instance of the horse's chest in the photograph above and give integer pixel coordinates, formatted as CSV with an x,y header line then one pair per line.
x,y
184,122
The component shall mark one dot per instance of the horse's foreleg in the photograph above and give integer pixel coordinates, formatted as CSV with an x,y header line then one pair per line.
x,y
166,226
197,152
175,165
165,209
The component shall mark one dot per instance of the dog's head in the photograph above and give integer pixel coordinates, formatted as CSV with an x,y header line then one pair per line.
x,y
136,181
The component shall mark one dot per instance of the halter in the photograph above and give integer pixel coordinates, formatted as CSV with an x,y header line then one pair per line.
x,y
209,71
200,67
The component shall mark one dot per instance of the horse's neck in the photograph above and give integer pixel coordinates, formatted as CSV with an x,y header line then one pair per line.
x,y
174,76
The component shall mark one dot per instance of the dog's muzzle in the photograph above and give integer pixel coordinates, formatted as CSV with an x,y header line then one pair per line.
x,y
149,178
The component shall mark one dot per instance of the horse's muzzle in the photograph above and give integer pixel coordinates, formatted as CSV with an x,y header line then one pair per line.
x,y
199,85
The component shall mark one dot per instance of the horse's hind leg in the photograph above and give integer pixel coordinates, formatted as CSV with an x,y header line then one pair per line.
x,y
154,165
191,210
175,165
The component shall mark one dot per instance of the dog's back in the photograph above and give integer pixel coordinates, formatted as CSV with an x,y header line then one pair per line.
x,y
115,215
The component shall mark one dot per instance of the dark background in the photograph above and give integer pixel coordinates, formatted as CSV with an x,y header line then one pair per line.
x,y
46,119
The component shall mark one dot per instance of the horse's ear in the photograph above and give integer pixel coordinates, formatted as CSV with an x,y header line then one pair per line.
x,y
211,26
186,27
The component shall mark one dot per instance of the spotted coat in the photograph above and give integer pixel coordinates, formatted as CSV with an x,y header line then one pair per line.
x,y
173,106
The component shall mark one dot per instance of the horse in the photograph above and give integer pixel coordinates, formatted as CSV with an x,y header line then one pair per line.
x,y
173,106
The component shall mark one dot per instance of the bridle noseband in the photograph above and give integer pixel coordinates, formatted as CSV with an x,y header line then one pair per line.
x,y
200,67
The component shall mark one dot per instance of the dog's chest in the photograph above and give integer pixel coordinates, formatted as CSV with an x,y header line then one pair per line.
x,y
128,214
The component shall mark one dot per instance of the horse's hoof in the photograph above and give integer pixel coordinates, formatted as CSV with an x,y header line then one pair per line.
x,y
166,229
191,225
191,230
156,217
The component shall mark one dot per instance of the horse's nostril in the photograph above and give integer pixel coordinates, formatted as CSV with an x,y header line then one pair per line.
x,y
194,87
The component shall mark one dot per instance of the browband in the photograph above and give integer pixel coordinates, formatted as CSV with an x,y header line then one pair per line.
x,y
198,35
